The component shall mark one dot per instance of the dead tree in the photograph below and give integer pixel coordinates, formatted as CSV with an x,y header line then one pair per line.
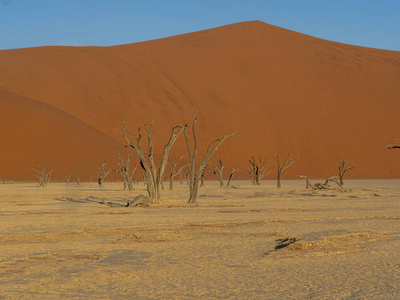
x,y
78,179
42,174
195,174
309,185
68,178
173,171
232,173
153,175
395,145
343,169
124,170
219,166
184,175
103,173
257,169
282,167
322,186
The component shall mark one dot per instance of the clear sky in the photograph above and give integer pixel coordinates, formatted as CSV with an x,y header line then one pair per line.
x,y
29,23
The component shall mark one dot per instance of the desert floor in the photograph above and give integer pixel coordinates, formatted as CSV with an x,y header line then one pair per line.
x,y
80,242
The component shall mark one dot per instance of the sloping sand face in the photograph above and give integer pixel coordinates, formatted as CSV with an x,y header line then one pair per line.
x,y
282,91
244,242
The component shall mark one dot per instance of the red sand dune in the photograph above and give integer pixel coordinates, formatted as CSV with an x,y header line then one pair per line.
x,y
34,133
281,90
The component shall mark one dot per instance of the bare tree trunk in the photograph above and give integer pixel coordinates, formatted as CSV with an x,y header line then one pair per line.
x,y
173,170
183,175
232,173
124,170
219,168
343,169
181,179
78,179
279,179
103,173
283,167
162,182
195,175
171,183
153,175
187,176
203,176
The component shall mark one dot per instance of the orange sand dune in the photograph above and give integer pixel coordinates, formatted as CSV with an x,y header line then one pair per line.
x,y
281,90
35,132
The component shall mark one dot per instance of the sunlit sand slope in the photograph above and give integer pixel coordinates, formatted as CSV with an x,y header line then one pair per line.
x,y
281,90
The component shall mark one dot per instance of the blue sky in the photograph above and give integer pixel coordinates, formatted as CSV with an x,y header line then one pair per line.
x,y
30,23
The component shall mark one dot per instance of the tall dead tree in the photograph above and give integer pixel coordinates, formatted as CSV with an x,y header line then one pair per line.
x,y
173,170
343,168
124,170
153,175
219,166
282,167
42,174
103,173
257,170
232,173
195,174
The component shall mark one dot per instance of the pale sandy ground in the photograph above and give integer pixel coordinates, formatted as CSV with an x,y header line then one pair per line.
x,y
66,242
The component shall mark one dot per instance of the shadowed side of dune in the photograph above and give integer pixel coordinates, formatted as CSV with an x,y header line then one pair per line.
x,y
35,132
